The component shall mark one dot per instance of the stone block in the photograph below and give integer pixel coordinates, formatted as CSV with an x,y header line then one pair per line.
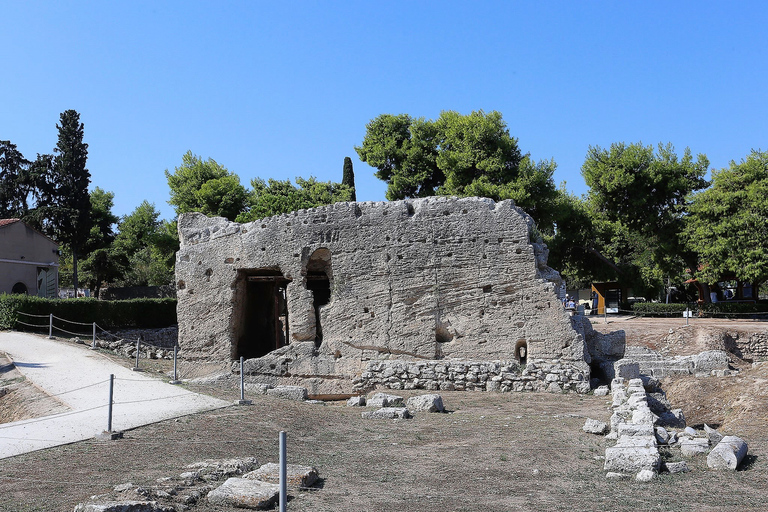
x,y
602,391
676,467
631,457
426,403
380,400
388,413
626,369
288,392
297,476
356,401
123,506
728,453
592,426
635,430
245,493
713,435
693,447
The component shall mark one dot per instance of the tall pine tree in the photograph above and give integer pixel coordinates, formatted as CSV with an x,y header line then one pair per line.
x,y
64,196
348,178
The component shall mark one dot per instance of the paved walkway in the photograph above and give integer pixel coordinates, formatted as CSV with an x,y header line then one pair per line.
x,y
79,378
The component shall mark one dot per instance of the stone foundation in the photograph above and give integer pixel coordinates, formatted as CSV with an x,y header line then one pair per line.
x,y
497,376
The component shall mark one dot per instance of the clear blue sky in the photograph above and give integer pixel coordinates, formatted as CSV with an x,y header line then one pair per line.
x,y
274,89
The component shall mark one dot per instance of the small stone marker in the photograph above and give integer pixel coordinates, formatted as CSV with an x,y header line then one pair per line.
x,y
728,453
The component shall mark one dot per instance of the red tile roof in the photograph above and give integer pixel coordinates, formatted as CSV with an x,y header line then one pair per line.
x,y
6,222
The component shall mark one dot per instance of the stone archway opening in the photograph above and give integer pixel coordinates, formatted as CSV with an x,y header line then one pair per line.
x,y
319,275
19,288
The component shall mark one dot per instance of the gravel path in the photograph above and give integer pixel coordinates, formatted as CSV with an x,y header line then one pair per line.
x,y
79,378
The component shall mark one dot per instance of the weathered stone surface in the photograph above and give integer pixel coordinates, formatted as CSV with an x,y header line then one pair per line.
x,y
612,475
673,419
219,469
433,278
728,453
288,392
123,506
632,454
676,467
356,401
425,403
297,476
645,475
633,430
713,435
592,426
388,413
245,493
662,436
602,391
380,400
693,447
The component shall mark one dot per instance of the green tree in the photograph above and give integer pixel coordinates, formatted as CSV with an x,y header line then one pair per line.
x,y
637,203
17,186
348,177
100,265
462,155
64,200
728,223
145,247
276,197
205,187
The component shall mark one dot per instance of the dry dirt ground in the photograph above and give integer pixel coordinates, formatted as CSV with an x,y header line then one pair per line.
x,y
491,452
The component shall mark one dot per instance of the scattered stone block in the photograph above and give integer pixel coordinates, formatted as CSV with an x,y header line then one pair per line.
x,y
592,426
219,469
356,401
690,431
426,403
676,467
632,454
673,419
384,400
388,413
245,493
635,430
645,475
662,436
297,476
123,506
297,393
626,369
602,391
582,388
693,447
728,453
259,389
713,435
611,475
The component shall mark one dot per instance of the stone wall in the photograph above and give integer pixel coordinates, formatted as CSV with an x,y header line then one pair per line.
x,y
450,375
424,279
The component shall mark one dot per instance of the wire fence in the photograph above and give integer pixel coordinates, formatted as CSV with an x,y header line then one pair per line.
x,y
96,333
693,313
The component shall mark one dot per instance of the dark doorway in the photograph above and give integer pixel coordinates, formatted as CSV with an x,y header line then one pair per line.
x,y
19,288
265,315
521,352
319,276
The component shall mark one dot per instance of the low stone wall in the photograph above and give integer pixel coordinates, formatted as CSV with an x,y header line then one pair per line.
x,y
755,346
498,376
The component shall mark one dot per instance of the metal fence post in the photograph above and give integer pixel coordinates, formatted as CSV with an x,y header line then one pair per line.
x,y
111,391
242,400
175,374
93,343
50,326
283,473
138,349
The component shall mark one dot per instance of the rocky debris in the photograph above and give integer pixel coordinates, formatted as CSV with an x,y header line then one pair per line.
x,y
380,400
356,401
425,403
704,364
297,476
676,467
388,413
592,426
123,506
288,393
219,469
728,453
492,376
691,447
713,435
612,475
173,494
602,391
245,493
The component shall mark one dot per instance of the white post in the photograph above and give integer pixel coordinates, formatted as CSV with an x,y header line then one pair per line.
x,y
93,343
283,473
242,400
50,326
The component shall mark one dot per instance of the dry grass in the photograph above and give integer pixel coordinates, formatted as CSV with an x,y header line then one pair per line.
x,y
493,452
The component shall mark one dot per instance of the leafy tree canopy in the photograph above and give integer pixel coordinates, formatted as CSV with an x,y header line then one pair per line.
x,y
728,223
16,182
205,187
348,177
462,155
276,197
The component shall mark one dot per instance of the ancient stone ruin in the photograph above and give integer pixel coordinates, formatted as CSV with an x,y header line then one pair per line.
x,y
320,297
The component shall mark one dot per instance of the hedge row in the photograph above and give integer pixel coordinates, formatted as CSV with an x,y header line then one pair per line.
x,y
108,314
717,309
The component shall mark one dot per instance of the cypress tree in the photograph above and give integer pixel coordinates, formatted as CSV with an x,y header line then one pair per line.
x,y
348,177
